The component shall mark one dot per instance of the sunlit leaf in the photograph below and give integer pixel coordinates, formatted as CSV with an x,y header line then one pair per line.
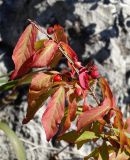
x,y
45,55
86,135
38,93
57,57
59,34
69,51
72,108
24,51
84,79
16,143
39,44
39,85
54,113
92,115
116,130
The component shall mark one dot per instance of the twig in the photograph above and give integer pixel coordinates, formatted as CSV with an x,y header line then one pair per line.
x,y
56,154
60,47
94,96
63,52
49,148
68,58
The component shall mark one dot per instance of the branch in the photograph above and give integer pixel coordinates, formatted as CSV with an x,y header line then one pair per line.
x,y
49,37
63,52
35,146
94,96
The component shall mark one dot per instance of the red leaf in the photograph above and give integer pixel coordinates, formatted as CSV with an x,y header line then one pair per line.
x,y
54,113
84,79
92,115
24,51
71,54
72,108
69,51
71,111
86,106
24,68
59,34
44,56
38,93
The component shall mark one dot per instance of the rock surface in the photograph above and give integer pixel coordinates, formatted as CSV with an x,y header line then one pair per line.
x,y
97,29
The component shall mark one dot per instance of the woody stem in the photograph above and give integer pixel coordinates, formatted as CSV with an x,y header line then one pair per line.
x,y
94,96
60,47
69,59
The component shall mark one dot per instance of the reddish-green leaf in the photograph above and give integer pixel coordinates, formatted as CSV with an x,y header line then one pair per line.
x,y
71,54
69,137
118,120
26,79
92,115
69,51
45,55
39,44
72,108
104,151
26,66
38,93
54,113
86,135
39,85
57,57
24,51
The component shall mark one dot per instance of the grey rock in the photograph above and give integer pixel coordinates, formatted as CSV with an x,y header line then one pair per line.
x,y
97,29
